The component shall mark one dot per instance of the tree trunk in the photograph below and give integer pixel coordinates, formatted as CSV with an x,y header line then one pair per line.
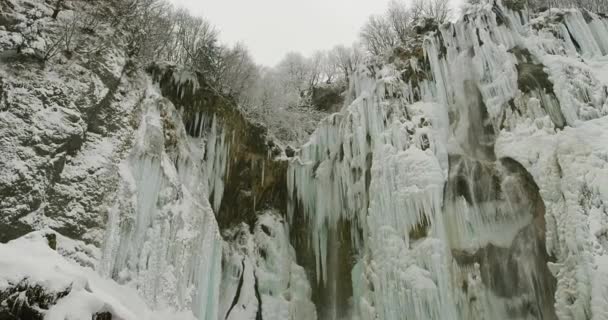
x,y
57,9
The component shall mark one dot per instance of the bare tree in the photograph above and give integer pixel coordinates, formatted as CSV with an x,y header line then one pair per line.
x,y
400,19
330,68
377,35
52,47
237,72
346,59
438,10
382,33
315,69
293,70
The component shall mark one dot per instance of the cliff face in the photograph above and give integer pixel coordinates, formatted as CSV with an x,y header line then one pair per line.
x,y
64,126
467,180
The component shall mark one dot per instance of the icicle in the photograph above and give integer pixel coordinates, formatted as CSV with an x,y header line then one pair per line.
x,y
162,235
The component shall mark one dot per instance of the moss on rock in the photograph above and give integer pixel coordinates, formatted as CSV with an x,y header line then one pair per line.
x,y
515,5
531,75
254,180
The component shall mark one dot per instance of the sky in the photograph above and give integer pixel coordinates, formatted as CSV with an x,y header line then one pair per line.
x,y
272,28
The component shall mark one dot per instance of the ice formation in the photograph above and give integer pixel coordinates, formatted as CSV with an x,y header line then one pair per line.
x,y
162,236
262,279
468,180
448,219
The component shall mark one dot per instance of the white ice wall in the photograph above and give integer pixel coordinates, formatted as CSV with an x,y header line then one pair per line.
x,y
162,236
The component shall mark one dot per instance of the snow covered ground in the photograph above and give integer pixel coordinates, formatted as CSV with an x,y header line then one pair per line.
x,y
79,292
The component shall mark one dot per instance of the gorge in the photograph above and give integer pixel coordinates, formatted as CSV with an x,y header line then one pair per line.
x,y
465,177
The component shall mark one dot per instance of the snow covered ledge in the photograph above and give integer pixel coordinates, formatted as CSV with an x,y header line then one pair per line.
x,y
42,277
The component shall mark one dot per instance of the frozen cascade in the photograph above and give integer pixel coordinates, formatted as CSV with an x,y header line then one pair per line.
x,y
564,51
262,280
445,223
162,234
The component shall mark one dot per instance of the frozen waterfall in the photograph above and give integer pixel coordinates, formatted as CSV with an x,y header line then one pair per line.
x,y
444,222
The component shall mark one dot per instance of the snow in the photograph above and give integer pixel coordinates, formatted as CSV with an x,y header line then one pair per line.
x,y
89,293
416,170
600,69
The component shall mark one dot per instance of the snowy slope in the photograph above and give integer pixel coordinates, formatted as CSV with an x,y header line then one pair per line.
x,y
30,262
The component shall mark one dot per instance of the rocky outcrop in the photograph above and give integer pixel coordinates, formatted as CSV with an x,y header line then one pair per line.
x,y
63,125
28,301
262,279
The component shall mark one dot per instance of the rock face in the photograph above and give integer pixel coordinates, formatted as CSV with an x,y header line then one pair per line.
x,y
63,126
467,180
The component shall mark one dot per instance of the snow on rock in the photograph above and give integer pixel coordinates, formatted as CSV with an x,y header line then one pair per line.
x,y
63,127
467,179
93,148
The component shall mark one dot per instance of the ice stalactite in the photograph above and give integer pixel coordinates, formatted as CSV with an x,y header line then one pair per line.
x,y
162,236
513,60
217,147
349,166
547,86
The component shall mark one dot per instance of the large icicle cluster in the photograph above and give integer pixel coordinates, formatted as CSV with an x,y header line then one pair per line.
x,y
330,179
553,86
162,235
216,153
455,213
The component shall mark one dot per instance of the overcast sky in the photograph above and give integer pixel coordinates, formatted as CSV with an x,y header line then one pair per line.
x,y
271,28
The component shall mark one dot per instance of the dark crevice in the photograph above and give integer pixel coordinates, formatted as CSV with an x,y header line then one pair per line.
x,y
576,45
258,315
533,81
238,290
